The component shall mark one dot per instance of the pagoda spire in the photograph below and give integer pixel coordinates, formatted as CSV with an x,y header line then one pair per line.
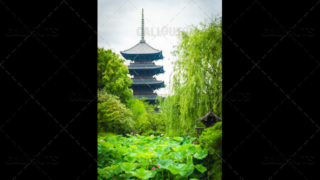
x,y
142,29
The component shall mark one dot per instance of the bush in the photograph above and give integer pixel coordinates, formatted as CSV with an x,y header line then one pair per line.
x,y
155,133
104,134
113,116
211,140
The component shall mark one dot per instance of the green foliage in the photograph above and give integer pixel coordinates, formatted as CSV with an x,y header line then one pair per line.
x,y
201,154
143,157
211,141
106,134
127,167
139,114
196,86
113,116
146,121
164,163
142,173
201,168
151,132
112,75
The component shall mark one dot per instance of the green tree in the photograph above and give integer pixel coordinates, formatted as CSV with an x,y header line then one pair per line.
x,y
112,75
196,86
155,121
139,114
113,116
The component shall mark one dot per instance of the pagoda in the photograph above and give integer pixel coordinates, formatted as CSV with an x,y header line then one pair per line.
x,y
143,68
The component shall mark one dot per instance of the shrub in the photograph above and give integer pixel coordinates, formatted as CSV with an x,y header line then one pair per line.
x,y
211,140
113,116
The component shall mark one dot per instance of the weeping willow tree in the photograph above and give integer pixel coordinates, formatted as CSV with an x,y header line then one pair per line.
x,y
196,84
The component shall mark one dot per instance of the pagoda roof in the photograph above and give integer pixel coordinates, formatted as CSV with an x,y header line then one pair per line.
x,y
141,48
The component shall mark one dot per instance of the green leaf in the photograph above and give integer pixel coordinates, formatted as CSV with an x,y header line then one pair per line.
x,y
130,158
189,172
180,155
201,154
126,166
201,168
164,163
106,144
159,152
112,167
142,173
118,161
185,147
147,155
192,149
173,169
178,139
118,170
190,169
179,169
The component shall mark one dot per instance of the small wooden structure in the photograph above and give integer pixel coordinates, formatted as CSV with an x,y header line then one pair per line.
x,y
208,120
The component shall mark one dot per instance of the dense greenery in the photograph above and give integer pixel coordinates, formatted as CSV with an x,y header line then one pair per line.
x,y
211,140
195,88
146,121
113,116
118,112
141,157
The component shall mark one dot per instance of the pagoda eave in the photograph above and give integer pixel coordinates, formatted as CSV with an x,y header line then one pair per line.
x,y
147,86
152,71
134,56
145,67
147,83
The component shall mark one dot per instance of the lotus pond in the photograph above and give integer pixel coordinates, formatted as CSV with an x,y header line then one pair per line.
x,y
159,158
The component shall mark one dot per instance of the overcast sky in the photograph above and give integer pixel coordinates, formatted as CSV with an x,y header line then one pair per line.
x,y
119,25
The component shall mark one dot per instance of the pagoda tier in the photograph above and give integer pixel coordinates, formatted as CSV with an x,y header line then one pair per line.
x,y
142,52
152,83
143,69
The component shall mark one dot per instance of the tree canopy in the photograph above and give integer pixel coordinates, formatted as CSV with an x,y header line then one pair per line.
x,y
112,75
196,84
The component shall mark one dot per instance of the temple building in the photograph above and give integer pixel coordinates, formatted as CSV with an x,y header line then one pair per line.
x,y
143,68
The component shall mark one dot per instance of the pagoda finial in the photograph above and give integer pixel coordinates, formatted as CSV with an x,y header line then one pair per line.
x,y
142,29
